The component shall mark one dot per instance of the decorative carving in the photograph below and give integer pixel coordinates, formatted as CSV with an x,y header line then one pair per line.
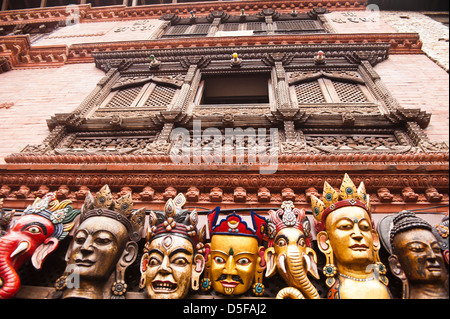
x,y
348,258
35,235
415,256
290,249
97,264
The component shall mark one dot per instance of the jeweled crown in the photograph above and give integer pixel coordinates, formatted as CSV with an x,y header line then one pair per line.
x,y
348,195
121,210
175,220
61,214
234,225
288,216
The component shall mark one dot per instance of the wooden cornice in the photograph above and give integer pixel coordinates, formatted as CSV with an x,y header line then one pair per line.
x,y
21,185
114,13
22,55
297,162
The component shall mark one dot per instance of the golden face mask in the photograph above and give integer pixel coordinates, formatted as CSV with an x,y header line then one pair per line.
x,y
234,257
233,263
349,242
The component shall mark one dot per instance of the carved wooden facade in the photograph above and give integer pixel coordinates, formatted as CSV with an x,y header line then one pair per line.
x,y
331,116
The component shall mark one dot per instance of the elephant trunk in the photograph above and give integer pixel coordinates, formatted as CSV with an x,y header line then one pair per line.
x,y
296,269
9,279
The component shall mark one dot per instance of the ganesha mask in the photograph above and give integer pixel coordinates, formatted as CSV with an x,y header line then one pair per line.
x,y
290,251
33,236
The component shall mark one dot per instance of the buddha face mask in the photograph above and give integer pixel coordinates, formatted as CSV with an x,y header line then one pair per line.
x,y
416,257
103,247
349,242
351,237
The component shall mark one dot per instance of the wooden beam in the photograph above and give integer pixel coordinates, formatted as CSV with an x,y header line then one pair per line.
x,y
5,5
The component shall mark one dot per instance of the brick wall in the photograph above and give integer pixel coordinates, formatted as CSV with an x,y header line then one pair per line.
x,y
417,82
32,96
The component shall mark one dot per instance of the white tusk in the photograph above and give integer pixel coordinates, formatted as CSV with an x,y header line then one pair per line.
x,y
282,263
23,246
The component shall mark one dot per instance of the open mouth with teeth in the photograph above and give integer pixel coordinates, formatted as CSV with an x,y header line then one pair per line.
x,y
164,286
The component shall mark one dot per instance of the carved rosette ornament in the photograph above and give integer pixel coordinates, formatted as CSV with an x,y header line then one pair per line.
x,y
103,246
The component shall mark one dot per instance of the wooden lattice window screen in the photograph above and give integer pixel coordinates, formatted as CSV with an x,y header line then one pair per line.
x,y
177,30
349,92
254,26
229,27
298,26
200,29
150,95
327,91
124,98
309,92
184,30
160,97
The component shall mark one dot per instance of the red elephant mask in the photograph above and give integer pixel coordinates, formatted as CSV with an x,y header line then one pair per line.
x,y
34,235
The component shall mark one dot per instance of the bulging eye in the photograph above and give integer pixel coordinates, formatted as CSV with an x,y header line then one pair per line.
x,y
180,261
243,261
281,242
34,229
302,242
154,262
219,260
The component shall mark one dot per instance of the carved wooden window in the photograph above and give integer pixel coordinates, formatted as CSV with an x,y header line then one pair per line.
x,y
151,93
298,26
237,89
328,87
184,30
248,26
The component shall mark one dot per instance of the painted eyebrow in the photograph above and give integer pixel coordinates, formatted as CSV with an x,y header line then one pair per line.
x,y
154,250
282,236
242,252
42,226
180,250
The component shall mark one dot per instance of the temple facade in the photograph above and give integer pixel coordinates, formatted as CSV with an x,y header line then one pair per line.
x,y
238,104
